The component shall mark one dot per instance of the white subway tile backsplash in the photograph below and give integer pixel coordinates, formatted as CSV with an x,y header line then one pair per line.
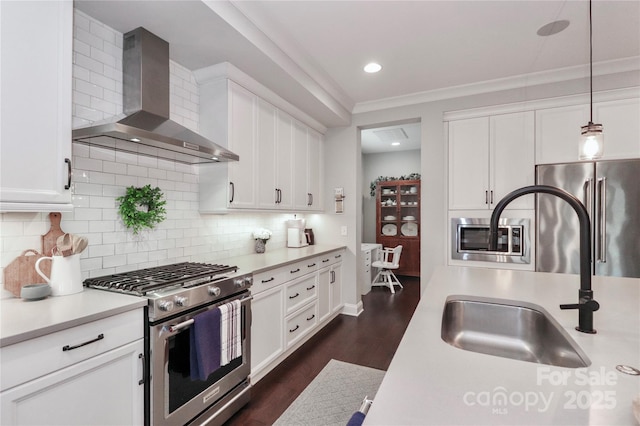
x,y
101,225
114,261
88,63
105,58
103,32
87,37
89,214
103,81
87,113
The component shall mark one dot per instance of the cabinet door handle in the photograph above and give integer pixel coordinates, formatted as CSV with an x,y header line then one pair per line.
x,y
311,288
311,199
294,329
144,369
333,277
294,296
68,185
294,271
491,196
233,191
486,197
66,348
266,281
279,196
311,317
276,191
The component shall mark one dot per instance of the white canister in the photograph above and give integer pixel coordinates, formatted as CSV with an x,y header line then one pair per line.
x,y
66,277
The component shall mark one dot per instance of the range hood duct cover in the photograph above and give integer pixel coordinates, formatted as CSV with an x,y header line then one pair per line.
x,y
145,128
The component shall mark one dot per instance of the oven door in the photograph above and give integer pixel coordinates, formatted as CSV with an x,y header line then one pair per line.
x,y
176,399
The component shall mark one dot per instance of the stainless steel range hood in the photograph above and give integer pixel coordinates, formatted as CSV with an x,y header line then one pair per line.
x,y
145,127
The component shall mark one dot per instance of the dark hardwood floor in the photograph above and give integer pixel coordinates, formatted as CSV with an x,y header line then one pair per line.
x,y
370,340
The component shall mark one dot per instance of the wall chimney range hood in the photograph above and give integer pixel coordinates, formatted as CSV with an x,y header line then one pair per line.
x,y
145,127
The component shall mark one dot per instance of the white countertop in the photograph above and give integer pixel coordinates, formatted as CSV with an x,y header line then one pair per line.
x,y
23,320
430,382
272,258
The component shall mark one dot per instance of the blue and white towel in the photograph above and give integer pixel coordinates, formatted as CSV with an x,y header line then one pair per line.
x,y
230,332
204,351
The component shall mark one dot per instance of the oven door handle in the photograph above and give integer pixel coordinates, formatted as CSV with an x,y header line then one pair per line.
x,y
180,326
187,323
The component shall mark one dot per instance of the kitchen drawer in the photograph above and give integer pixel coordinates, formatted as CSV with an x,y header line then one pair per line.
x,y
33,358
268,279
298,324
330,258
301,268
300,292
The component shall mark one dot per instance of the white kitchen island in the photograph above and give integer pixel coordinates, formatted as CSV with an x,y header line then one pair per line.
x,y
430,382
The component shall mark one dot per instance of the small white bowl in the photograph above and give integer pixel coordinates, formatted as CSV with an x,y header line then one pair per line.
x,y
35,291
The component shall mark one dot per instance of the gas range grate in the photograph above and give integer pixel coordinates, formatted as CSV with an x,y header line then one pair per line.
x,y
143,281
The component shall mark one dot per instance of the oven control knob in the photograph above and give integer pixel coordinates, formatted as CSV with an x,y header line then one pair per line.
x,y
165,305
239,282
182,301
214,291
248,281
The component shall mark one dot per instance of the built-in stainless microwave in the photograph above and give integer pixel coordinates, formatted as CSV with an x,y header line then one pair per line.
x,y
470,240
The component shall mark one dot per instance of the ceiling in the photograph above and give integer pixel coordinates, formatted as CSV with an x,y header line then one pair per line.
x,y
312,52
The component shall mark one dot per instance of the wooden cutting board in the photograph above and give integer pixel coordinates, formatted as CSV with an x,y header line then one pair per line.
x,y
22,271
49,239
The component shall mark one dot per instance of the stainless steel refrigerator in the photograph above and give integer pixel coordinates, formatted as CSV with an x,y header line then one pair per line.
x,y
610,190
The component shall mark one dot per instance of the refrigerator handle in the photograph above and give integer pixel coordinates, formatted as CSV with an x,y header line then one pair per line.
x,y
602,219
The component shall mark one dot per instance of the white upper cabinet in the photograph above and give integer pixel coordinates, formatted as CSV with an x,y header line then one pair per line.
x,y
621,126
558,133
469,163
228,116
280,157
274,149
488,158
36,80
307,168
512,157
558,130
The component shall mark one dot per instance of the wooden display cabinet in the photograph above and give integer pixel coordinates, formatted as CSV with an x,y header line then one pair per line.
x,y
398,221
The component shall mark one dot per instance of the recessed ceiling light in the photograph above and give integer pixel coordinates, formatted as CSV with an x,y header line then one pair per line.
x,y
552,28
135,140
395,143
372,67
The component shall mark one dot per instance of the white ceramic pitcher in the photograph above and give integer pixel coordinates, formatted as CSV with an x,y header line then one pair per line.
x,y
66,277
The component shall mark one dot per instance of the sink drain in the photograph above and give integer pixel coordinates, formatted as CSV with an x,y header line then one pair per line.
x,y
627,369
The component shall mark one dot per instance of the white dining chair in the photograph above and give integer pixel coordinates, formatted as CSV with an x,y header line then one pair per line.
x,y
388,262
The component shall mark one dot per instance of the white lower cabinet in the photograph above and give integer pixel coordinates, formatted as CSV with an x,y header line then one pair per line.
x,y
87,375
267,335
102,390
290,304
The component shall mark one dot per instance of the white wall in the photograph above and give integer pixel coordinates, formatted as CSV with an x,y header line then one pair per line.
x,y
382,164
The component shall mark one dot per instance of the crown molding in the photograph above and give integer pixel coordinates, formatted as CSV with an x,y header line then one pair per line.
x,y
514,82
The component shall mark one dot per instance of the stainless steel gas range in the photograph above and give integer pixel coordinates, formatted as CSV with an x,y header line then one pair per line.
x,y
177,295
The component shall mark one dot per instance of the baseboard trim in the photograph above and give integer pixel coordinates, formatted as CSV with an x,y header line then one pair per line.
x,y
353,310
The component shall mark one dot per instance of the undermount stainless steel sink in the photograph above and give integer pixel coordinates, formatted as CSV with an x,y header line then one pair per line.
x,y
509,329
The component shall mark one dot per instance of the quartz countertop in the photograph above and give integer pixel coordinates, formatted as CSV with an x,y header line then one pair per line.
x,y
430,382
279,257
23,320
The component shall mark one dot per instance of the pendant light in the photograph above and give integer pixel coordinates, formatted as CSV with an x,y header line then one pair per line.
x,y
592,139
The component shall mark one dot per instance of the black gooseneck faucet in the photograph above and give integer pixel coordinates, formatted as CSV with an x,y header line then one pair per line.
x,y
586,304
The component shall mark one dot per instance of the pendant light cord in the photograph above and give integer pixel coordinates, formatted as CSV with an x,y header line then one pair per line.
x,y
590,66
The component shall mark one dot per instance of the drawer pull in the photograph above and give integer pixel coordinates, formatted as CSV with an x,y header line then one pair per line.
x,y
294,296
266,281
144,369
294,329
311,317
311,266
325,260
70,348
295,270
338,256
311,288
